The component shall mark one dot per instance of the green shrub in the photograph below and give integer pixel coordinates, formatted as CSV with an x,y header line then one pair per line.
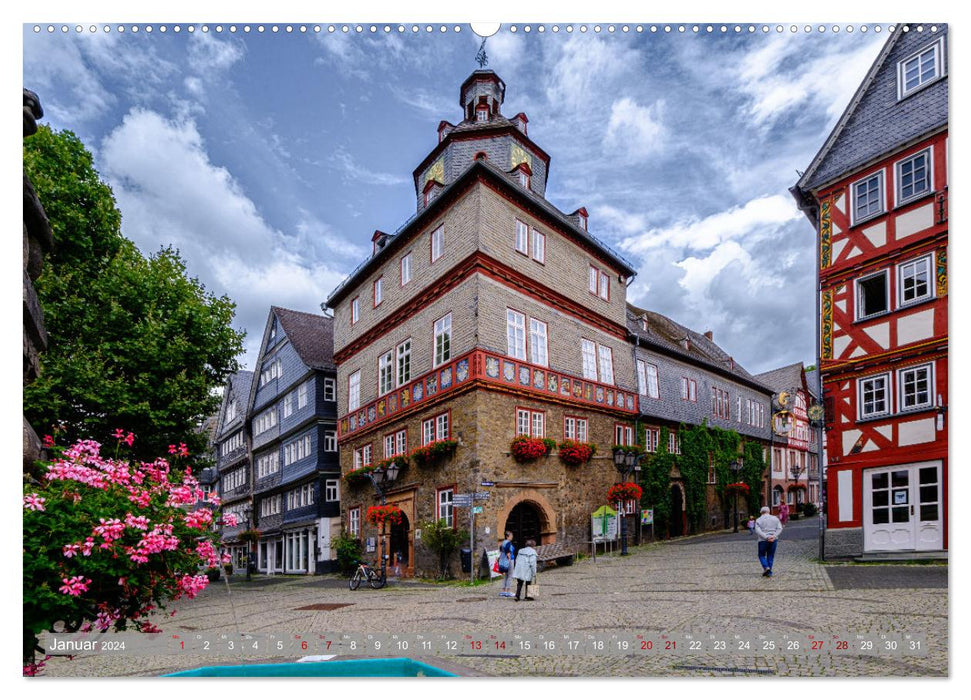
x,y
348,552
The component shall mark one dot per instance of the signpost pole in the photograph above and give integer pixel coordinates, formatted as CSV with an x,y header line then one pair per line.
x,y
472,545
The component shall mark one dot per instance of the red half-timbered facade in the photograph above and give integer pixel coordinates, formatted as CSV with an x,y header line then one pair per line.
x,y
878,194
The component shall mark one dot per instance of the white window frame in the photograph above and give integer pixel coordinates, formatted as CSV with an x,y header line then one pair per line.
x,y
354,391
901,394
332,490
588,354
603,286
330,389
265,421
354,521
623,434
442,426
443,506
653,380
363,456
378,291
606,363
522,237
574,428
267,464
386,373
438,243
524,178
303,392
927,154
515,334
928,262
881,195
330,441
539,247
405,269
937,48
443,340
538,343
530,423
287,408
861,389
403,362
652,436
355,310
593,276
858,296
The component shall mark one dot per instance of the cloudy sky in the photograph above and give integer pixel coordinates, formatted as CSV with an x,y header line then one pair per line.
x,y
268,159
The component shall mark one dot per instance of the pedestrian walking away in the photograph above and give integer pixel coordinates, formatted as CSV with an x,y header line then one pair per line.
x,y
507,560
768,528
784,513
525,569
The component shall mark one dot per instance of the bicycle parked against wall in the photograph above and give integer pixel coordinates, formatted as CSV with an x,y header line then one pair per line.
x,y
364,572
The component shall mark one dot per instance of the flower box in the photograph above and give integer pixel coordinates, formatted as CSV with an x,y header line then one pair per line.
x,y
434,452
359,476
575,453
527,449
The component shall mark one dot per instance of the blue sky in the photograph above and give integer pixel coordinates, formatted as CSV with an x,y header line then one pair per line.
x,y
269,159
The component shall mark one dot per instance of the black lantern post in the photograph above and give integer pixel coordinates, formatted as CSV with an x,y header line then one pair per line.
x,y
736,466
379,478
247,514
624,461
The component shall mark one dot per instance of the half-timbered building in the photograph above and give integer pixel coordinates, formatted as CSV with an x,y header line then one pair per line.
x,y
877,193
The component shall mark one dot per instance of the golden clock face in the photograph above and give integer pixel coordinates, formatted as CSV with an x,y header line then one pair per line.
x,y
436,172
518,155
815,412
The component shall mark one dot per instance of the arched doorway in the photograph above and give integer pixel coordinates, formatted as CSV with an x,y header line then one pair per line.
x,y
524,524
398,542
676,526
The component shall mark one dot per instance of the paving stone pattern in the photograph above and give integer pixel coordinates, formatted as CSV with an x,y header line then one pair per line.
x,y
713,585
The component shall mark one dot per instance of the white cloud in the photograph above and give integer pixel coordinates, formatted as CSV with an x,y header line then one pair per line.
x,y
354,171
702,234
699,272
208,55
170,193
778,76
585,69
634,131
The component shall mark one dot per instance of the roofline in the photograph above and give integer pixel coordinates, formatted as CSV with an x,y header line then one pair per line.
x,y
851,107
488,129
478,170
640,340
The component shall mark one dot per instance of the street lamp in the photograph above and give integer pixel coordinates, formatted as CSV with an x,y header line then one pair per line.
x,y
625,461
247,514
736,466
380,477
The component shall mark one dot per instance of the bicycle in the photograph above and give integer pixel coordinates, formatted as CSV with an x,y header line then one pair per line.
x,y
364,572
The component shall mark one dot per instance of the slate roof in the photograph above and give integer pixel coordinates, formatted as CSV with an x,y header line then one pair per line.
x,y
311,335
241,382
875,122
668,335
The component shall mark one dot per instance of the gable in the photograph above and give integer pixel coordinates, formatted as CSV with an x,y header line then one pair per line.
x,y
877,121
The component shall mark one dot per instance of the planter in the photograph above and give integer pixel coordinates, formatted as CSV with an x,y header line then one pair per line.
x,y
360,476
379,515
434,453
575,453
527,449
627,491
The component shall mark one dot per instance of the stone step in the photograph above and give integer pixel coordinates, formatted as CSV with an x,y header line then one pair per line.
x,y
938,555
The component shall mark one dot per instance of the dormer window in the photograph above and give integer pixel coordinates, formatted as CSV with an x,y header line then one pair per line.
x,y
523,174
482,113
432,188
581,215
921,69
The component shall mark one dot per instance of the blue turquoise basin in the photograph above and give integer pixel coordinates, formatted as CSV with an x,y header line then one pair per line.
x,y
353,668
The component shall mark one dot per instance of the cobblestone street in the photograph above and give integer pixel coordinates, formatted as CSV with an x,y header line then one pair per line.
x,y
709,584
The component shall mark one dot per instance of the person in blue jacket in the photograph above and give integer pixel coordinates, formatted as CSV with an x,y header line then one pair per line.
x,y
507,559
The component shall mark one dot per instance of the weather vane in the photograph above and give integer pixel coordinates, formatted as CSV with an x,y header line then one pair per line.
x,y
481,57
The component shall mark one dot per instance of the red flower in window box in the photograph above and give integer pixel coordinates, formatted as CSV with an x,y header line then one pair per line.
x,y
430,454
738,487
575,453
527,449
379,515
626,491
359,476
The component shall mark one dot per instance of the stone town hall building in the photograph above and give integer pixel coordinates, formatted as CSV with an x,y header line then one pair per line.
x,y
489,314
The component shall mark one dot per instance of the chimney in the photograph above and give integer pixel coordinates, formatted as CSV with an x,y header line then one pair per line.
x,y
708,335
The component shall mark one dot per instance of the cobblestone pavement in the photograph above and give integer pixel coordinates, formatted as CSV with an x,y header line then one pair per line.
x,y
700,585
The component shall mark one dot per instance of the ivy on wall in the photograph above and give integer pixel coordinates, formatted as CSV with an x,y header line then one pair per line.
x,y
697,444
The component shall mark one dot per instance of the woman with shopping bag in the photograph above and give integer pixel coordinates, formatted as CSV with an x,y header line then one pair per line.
x,y
525,569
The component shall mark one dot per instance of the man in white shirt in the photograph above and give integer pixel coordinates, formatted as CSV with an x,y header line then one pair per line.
x,y
768,528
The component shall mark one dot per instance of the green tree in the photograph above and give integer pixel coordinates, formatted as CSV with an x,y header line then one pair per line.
x,y
442,539
133,342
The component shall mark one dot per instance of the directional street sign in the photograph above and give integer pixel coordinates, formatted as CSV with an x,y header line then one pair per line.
x,y
477,509
488,483
480,495
462,500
